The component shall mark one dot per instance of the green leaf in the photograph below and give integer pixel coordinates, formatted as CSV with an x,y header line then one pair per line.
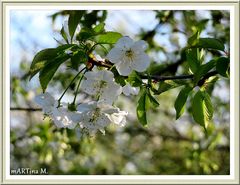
x,y
192,56
85,34
99,28
40,60
168,85
151,100
181,101
108,38
209,43
134,79
203,70
78,58
223,66
73,21
49,70
192,40
45,56
202,109
202,24
118,78
64,34
141,108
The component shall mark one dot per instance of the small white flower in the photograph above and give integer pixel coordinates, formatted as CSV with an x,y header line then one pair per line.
x,y
128,90
100,83
97,115
128,55
61,116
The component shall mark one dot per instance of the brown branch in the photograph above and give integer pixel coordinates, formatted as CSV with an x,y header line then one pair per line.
x,y
108,64
205,77
181,77
163,78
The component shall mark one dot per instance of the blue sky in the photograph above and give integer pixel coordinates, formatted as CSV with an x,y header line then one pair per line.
x,y
31,31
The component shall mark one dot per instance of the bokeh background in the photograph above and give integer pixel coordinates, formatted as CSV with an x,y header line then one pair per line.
x,y
166,147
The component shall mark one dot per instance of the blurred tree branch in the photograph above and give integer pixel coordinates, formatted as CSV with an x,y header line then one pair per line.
x,y
25,109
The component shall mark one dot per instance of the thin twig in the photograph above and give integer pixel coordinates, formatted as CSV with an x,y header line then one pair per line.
x,y
24,109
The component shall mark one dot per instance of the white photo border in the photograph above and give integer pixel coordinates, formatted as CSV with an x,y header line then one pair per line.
x,y
62,179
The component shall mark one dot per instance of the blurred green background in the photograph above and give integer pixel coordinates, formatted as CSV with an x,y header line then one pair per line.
x,y
166,147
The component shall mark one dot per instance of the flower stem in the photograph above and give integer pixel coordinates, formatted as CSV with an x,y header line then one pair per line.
x,y
59,100
78,86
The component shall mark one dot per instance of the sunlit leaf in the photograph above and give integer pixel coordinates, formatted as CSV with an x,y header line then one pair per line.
x,y
141,108
203,70
99,28
209,43
202,108
193,59
40,59
193,39
134,79
108,38
151,100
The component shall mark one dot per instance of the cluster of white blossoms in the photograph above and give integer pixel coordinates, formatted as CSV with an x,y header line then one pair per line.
x,y
100,84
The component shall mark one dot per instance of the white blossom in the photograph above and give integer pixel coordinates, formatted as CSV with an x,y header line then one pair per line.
x,y
61,116
97,115
128,90
100,83
128,55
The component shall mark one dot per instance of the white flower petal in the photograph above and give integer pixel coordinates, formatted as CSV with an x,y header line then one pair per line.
x,y
115,55
46,101
135,90
128,89
139,46
119,118
124,68
107,108
62,118
107,76
141,62
124,43
110,93
103,121
92,75
90,86
75,117
84,107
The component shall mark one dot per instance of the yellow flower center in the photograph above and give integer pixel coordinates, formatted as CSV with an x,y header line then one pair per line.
x,y
95,115
130,54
